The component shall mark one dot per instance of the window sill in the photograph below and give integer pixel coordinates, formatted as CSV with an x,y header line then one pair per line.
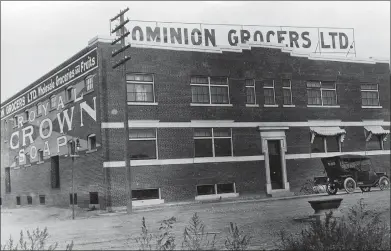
x,y
323,106
216,196
40,162
141,103
371,107
212,105
68,101
252,105
270,105
139,203
288,106
89,91
92,150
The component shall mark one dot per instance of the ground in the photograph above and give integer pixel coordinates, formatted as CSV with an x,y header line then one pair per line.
x,y
259,219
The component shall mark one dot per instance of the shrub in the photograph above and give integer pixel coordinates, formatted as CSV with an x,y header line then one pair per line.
x,y
195,237
361,230
236,240
35,241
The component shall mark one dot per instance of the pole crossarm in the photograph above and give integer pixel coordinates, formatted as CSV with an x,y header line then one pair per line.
x,y
120,38
120,26
120,14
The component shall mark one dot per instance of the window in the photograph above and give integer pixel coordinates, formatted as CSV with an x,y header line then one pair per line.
x,y
15,121
40,155
326,144
53,102
8,180
39,109
250,91
26,114
73,199
89,81
140,88
287,91
216,189
18,200
269,94
29,200
145,194
370,94
68,93
94,198
212,142
42,200
209,90
143,143
55,172
91,142
322,93
374,143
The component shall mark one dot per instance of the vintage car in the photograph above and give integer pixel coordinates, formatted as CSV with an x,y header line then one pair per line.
x,y
351,171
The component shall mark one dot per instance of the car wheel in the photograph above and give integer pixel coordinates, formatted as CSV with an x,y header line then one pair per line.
x,y
365,189
349,185
331,188
384,183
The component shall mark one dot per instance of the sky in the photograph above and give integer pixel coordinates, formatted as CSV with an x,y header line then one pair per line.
x,y
38,36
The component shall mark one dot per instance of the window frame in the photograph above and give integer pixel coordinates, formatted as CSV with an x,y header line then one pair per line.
x,y
287,88
324,140
370,90
145,139
40,199
213,137
8,186
69,88
141,189
215,188
253,89
53,97
40,156
209,85
87,83
321,89
141,82
274,94
93,135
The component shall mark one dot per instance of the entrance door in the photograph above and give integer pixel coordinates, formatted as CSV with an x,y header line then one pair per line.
x,y
274,151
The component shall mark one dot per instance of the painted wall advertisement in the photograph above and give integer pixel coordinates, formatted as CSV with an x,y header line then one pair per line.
x,y
73,71
218,37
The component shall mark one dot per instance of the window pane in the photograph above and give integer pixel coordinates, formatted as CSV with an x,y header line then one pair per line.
x,y
370,98
374,143
94,198
139,77
317,146
329,97
145,194
249,82
287,96
332,144
225,188
286,83
369,87
314,97
269,96
328,85
205,189
268,83
142,149
202,132
222,147
250,93
199,80
218,81
222,132
313,84
203,148
219,95
42,199
200,94
142,133
140,92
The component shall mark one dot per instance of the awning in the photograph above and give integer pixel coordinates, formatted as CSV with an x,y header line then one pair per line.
x,y
327,131
376,130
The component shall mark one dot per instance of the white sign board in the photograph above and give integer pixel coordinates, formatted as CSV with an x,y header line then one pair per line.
x,y
217,37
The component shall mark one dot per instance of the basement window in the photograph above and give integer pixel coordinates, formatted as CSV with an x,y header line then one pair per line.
x,y
216,189
74,199
206,189
226,188
42,199
18,200
29,200
146,194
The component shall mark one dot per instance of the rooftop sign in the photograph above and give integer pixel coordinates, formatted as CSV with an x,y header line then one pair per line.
x,y
219,37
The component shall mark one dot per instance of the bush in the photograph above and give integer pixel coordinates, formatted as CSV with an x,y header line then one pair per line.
x,y
195,237
361,230
236,240
35,241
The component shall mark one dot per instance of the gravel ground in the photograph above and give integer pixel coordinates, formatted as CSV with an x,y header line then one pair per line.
x,y
259,219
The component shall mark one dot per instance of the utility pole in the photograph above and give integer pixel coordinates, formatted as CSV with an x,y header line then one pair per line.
x,y
73,148
122,62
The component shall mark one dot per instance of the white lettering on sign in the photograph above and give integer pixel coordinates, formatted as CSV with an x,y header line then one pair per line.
x,y
217,38
42,128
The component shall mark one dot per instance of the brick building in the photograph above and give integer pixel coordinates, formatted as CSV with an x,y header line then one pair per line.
x,y
201,125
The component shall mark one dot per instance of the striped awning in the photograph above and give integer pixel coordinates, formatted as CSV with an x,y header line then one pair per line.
x,y
376,130
327,130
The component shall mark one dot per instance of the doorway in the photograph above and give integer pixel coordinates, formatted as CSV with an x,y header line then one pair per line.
x,y
275,165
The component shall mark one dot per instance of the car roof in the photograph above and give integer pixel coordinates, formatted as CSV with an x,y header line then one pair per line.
x,y
350,157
